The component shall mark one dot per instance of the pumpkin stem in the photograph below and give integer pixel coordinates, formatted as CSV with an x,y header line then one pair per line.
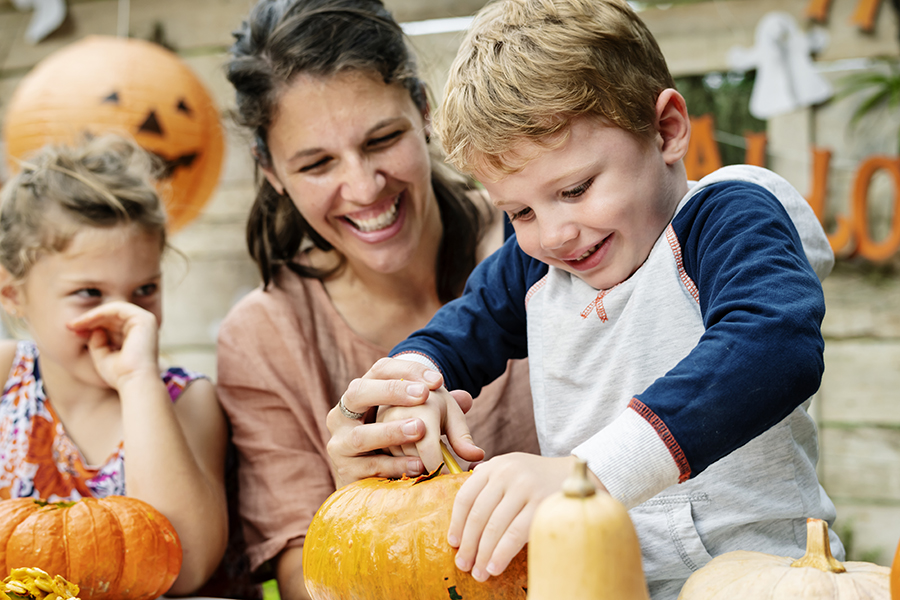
x,y
818,549
577,485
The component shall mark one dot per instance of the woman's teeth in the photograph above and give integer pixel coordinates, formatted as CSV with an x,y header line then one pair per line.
x,y
385,219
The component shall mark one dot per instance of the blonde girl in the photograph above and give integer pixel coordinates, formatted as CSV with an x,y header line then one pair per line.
x,y
82,234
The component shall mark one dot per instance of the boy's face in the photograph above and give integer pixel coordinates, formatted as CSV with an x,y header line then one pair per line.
x,y
593,205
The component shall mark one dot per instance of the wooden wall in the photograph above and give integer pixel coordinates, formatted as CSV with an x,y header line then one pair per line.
x,y
858,407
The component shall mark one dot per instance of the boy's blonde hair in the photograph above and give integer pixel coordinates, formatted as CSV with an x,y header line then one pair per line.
x,y
526,68
102,182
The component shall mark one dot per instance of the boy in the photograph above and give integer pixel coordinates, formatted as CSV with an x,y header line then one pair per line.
x,y
672,328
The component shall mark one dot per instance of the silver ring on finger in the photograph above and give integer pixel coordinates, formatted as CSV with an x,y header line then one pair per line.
x,y
354,416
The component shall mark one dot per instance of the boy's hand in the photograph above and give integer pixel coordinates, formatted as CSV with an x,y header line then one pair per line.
x,y
122,341
440,413
494,508
354,445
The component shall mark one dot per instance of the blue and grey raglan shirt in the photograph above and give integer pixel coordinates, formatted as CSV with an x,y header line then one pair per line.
x,y
694,371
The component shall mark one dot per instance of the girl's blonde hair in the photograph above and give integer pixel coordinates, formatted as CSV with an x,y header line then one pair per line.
x,y
102,182
526,68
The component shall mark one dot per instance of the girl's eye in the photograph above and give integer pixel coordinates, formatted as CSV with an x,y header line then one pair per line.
x,y
88,293
522,214
146,290
319,163
380,141
578,190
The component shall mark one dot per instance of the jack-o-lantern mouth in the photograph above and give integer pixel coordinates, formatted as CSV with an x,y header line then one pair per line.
x,y
170,165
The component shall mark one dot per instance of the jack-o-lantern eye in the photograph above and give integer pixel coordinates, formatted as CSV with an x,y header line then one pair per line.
x,y
183,107
111,98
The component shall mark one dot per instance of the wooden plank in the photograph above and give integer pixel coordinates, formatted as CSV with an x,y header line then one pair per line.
x,y
861,463
197,296
861,305
695,38
92,18
874,530
861,382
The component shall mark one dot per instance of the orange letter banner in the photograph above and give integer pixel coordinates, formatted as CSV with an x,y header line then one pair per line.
x,y
843,236
876,251
864,16
817,10
703,156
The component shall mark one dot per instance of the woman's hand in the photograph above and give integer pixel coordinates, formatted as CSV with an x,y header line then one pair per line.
x,y
357,448
123,340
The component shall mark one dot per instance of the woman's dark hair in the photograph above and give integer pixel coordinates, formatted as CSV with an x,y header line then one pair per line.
x,y
284,38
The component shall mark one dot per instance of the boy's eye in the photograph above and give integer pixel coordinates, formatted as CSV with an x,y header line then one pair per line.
x,y
521,214
578,190
146,290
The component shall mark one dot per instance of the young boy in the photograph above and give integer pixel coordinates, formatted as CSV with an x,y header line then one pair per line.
x,y
672,327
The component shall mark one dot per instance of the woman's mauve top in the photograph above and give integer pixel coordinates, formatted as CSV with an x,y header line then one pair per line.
x,y
285,357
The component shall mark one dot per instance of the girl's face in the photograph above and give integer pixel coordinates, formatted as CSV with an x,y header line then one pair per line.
x,y
350,151
100,265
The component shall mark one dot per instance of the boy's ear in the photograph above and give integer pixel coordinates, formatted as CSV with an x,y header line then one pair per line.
x,y
673,125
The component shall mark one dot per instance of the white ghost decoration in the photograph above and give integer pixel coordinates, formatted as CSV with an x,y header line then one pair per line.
x,y
786,77
48,15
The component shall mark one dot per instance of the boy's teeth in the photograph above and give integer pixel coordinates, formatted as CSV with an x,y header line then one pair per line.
x,y
588,253
383,220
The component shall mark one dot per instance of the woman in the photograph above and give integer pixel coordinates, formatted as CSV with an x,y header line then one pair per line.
x,y
359,241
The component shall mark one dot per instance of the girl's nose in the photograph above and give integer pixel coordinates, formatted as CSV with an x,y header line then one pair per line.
x,y
362,181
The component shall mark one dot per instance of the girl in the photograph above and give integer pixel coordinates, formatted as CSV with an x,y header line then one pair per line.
x,y
82,233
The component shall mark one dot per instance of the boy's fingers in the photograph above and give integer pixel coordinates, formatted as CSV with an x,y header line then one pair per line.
x,y
460,438
480,513
497,525
462,504
429,449
511,542
463,398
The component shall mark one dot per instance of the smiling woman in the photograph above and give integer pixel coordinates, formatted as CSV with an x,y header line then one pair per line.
x,y
359,238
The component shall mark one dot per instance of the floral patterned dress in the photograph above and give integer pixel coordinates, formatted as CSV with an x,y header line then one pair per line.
x,y
38,458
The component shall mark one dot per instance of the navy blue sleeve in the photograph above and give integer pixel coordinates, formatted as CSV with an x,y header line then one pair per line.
x,y
762,306
471,338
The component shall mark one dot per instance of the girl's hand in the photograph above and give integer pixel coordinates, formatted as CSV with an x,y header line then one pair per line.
x,y
123,341
493,509
356,448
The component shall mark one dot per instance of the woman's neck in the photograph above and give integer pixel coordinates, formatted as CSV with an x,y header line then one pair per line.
x,y
385,308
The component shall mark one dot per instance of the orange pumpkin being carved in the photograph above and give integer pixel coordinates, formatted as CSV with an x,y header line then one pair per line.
x,y
113,548
131,87
383,538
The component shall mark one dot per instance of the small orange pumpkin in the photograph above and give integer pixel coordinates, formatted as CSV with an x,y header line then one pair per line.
x,y
113,548
387,538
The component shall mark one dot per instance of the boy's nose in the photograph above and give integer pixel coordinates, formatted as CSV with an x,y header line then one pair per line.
x,y
555,234
362,181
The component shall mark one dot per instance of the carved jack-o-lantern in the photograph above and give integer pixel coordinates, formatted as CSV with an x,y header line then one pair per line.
x,y
106,84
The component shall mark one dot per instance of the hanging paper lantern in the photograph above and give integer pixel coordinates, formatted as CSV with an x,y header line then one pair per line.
x,y
106,84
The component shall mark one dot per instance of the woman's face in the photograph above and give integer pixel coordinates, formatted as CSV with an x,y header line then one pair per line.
x,y
351,153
